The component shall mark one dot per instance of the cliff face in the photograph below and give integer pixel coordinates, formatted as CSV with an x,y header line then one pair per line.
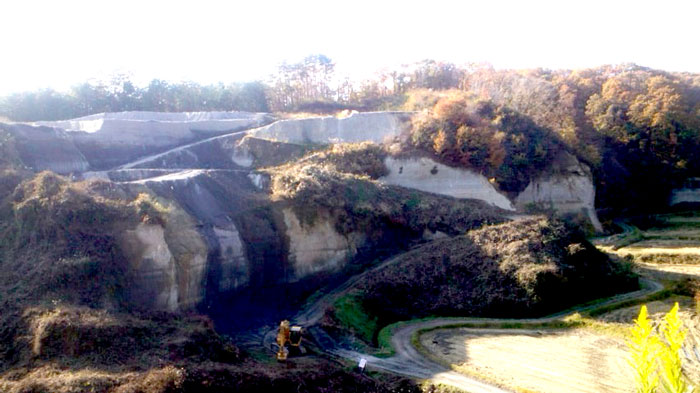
x,y
567,188
46,148
427,175
376,127
318,247
223,232
689,193
112,139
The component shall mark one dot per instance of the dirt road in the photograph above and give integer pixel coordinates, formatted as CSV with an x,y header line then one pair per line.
x,y
408,361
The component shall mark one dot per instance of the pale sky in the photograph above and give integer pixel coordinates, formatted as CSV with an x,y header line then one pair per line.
x,y
61,43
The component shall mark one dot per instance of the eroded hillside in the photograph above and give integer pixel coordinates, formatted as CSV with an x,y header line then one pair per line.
x,y
243,226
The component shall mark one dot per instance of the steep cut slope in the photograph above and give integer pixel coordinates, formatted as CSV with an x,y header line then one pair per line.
x,y
102,244
45,148
111,139
430,176
375,127
79,259
566,187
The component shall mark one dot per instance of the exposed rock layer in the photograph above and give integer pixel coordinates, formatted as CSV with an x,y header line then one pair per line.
x,y
46,148
232,236
375,127
566,188
427,175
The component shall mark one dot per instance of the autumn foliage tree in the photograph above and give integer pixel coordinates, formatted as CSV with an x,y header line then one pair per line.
x,y
492,139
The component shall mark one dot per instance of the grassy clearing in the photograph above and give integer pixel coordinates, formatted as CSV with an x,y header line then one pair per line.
x,y
384,346
352,315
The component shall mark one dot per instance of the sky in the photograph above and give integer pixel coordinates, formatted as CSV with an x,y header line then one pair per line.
x,y
57,44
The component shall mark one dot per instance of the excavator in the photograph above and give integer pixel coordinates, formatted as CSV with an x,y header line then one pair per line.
x,y
289,341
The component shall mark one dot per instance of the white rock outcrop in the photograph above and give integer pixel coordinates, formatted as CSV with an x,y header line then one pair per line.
x,y
235,271
319,247
111,139
167,266
153,265
376,127
427,175
685,195
566,188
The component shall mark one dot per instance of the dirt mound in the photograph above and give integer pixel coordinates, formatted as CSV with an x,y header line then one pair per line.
x,y
70,349
523,268
74,335
57,241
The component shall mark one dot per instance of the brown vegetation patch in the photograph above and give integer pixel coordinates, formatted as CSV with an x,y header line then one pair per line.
x,y
521,268
340,180
495,140
270,153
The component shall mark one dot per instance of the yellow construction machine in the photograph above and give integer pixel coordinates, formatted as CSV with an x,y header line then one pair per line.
x,y
289,340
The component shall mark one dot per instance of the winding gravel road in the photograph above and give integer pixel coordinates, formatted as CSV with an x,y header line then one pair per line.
x,y
408,361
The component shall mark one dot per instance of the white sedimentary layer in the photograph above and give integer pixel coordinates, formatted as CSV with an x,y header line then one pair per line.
x,y
567,188
376,127
427,175
235,271
318,247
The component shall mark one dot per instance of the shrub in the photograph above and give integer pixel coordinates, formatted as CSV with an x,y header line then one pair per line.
x,y
653,358
494,140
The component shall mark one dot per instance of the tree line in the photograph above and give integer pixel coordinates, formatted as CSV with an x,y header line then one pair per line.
x,y
636,127
120,94
308,85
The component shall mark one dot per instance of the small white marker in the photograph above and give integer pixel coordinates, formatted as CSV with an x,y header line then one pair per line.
x,y
361,366
363,363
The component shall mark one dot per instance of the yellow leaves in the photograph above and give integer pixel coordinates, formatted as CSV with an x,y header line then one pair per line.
x,y
671,372
452,109
442,142
653,358
643,349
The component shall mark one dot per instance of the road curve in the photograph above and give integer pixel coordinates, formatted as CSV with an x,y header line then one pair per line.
x,y
408,361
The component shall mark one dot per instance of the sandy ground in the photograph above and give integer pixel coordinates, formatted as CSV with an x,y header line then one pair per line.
x,y
539,361
661,247
692,271
554,361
